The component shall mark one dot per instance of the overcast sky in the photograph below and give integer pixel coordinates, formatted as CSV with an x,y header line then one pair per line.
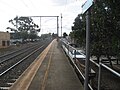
x,y
69,9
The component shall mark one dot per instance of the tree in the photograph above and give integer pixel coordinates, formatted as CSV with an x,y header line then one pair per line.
x,y
25,26
64,35
78,30
105,29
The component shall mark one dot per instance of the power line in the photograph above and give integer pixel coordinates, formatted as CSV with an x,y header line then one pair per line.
x,y
8,5
65,5
26,5
33,4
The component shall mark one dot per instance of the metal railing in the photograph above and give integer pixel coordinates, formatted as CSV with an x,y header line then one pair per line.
x,y
68,49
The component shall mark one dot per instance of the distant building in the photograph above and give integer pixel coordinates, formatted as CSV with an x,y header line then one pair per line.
x,y
4,39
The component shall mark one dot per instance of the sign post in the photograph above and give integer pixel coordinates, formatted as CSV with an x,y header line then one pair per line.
x,y
86,9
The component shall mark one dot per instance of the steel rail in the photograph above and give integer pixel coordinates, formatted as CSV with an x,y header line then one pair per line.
x,y
1,56
16,54
1,74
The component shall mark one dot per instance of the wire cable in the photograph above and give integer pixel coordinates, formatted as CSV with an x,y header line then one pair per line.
x,y
8,5
26,5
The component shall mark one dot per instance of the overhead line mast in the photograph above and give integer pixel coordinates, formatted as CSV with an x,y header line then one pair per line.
x,y
47,16
61,24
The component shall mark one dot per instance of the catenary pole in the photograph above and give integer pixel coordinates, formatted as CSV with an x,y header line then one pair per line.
x,y
61,24
47,16
57,26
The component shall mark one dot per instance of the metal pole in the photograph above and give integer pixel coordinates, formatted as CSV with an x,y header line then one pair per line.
x,y
68,47
87,62
61,25
99,75
57,27
75,56
40,23
16,27
16,23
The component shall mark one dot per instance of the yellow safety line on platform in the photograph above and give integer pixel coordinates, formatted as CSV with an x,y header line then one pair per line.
x,y
26,78
47,70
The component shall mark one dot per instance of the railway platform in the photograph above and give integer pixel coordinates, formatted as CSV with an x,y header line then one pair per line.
x,y
50,71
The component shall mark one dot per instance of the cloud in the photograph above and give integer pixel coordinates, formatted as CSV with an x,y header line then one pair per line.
x,y
62,2
69,9
59,2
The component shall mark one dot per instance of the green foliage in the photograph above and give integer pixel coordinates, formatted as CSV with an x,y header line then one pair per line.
x,y
24,35
105,28
64,35
78,30
32,36
25,26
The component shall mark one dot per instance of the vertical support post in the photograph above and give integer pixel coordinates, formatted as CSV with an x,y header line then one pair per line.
x,y
87,62
57,26
68,49
99,75
75,56
16,27
61,24
40,23
16,23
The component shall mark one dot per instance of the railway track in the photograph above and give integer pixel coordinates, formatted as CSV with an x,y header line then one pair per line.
x,y
4,56
16,63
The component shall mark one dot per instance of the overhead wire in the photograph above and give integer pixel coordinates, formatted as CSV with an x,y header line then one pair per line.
x,y
49,20
8,5
65,5
26,5
15,8
32,4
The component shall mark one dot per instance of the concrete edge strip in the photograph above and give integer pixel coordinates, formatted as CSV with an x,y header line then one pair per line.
x,y
47,70
26,78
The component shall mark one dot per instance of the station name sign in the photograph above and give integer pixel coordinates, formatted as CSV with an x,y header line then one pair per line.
x,y
86,5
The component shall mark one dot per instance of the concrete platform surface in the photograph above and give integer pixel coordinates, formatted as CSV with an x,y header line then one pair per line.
x,y
54,73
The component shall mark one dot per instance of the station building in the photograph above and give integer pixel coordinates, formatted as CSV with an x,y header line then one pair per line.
x,y
4,39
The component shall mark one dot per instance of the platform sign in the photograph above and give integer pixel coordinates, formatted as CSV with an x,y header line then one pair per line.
x,y
86,5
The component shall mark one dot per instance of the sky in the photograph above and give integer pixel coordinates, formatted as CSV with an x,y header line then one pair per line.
x,y
69,9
